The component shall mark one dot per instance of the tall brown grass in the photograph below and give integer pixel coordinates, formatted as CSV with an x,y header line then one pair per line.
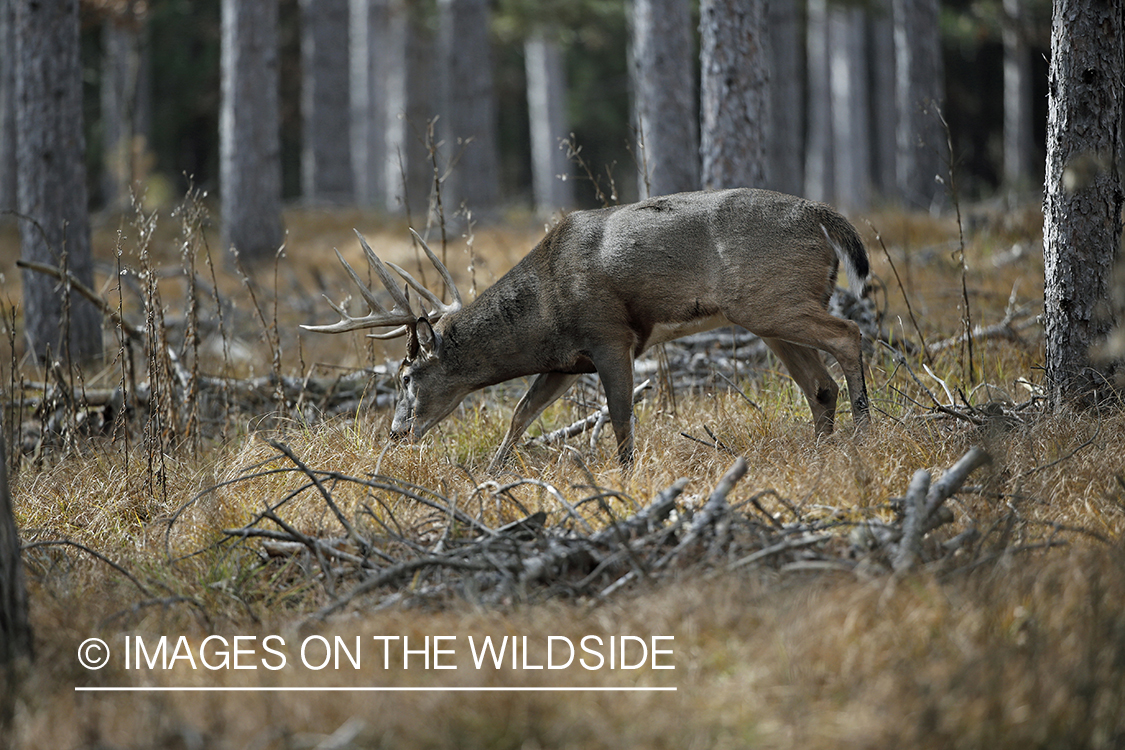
x,y
1023,645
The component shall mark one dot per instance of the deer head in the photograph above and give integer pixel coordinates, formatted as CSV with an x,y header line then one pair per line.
x,y
423,369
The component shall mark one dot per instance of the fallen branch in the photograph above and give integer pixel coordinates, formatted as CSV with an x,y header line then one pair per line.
x,y
582,425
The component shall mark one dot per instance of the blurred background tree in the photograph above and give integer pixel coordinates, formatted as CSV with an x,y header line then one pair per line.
x,y
152,95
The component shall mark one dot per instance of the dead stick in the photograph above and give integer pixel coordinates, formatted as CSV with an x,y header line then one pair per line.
x,y
717,502
131,330
577,428
278,445
910,547
774,549
951,480
709,513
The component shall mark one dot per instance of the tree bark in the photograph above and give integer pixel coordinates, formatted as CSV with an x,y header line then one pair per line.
x,y
881,105
326,166
8,192
15,631
1082,192
368,39
249,129
664,97
55,226
124,106
735,93
820,180
551,184
410,91
851,133
469,101
787,98
921,141
1017,97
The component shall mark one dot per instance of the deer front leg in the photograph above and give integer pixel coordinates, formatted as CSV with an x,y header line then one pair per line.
x,y
544,391
616,373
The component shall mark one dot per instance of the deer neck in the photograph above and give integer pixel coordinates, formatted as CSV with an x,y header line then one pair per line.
x,y
496,337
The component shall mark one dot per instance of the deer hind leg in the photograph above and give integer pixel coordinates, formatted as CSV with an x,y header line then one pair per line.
x,y
806,368
841,339
544,391
816,328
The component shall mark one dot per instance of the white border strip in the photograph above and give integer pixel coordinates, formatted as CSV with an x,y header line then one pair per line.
x,y
372,689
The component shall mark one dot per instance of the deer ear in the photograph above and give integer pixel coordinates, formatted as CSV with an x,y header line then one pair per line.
x,y
428,341
412,342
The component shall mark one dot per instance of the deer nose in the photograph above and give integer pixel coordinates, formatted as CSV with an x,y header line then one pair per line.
x,y
399,434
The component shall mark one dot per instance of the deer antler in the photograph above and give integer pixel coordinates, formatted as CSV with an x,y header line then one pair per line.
x,y
401,315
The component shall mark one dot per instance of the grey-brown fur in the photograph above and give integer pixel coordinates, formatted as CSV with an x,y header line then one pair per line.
x,y
604,285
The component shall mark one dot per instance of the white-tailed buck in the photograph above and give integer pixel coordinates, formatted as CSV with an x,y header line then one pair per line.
x,y
605,285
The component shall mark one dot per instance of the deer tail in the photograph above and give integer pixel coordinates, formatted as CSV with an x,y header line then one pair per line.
x,y
844,239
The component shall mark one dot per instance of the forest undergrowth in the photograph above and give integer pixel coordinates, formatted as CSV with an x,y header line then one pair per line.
x,y
227,474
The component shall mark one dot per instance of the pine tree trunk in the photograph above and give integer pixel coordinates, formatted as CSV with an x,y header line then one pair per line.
x,y
52,181
249,129
820,179
8,195
124,107
851,145
410,91
664,97
326,166
921,140
470,120
1083,192
881,107
15,632
547,120
1017,97
368,40
735,114
787,98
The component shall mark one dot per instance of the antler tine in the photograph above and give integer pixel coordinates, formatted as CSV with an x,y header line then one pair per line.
x,y
438,308
393,334
384,275
400,315
456,304
368,297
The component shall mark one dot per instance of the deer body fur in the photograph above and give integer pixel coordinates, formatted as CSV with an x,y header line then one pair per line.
x,y
605,285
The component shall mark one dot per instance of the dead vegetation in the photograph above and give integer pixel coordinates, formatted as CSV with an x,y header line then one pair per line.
x,y
226,476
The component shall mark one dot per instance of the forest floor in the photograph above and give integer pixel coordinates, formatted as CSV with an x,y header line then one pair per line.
x,y
1009,632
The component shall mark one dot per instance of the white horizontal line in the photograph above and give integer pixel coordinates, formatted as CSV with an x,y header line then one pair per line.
x,y
369,689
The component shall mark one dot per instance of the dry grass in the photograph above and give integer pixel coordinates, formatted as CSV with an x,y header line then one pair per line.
x,y
1026,648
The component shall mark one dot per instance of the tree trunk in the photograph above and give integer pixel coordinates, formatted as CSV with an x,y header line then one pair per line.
x,y
8,193
1017,98
410,84
469,100
735,114
15,631
52,181
820,180
249,129
919,84
787,98
551,184
326,160
368,40
664,97
881,105
851,136
1083,192
124,107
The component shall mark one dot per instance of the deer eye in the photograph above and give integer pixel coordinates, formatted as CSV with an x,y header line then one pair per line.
x,y
405,380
